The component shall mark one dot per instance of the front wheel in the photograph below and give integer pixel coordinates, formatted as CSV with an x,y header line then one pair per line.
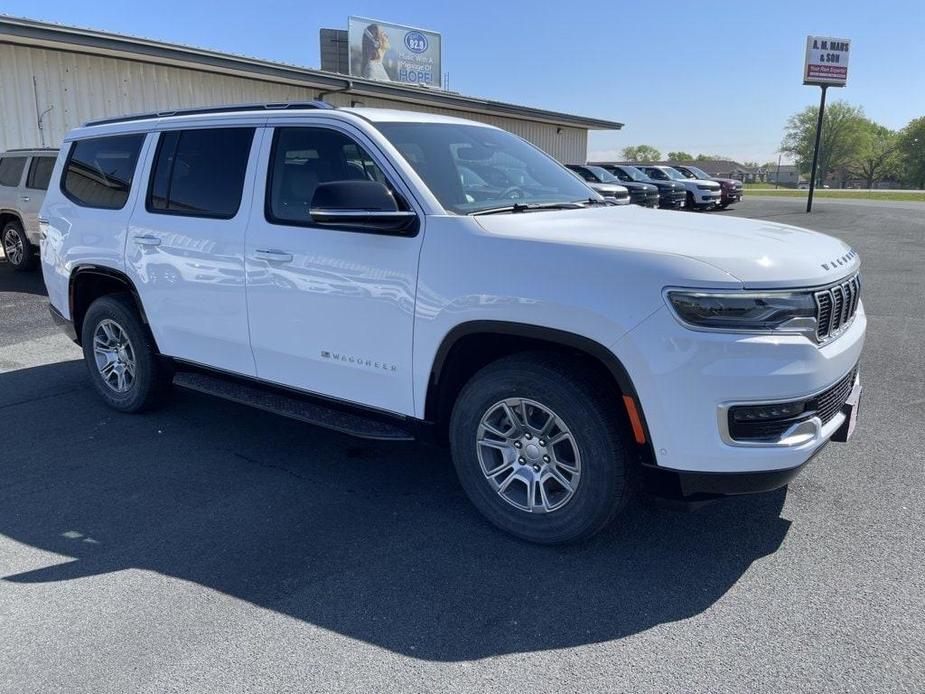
x,y
537,449
123,362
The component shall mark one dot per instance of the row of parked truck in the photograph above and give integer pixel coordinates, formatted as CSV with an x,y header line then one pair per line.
x,y
652,185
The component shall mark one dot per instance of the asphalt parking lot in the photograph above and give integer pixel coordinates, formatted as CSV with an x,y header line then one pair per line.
x,y
210,547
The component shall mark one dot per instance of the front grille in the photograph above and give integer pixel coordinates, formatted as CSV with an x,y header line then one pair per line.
x,y
836,306
825,405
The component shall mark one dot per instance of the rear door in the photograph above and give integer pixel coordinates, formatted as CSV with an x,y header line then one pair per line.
x,y
185,245
331,309
11,174
32,193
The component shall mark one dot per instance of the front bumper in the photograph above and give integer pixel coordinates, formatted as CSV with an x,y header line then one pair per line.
x,y
731,196
694,488
673,200
707,197
686,379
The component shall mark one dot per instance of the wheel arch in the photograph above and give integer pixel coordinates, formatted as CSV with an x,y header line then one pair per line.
x,y
89,282
470,346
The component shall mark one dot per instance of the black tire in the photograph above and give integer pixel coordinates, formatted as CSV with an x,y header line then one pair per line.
x,y
724,205
691,207
26,261
152,374
586,407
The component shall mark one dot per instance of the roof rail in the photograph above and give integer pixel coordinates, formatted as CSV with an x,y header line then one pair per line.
x,y
31,149
234,108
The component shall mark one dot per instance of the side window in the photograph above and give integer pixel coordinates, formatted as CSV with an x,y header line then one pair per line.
x,y
200,173
11,171
99,172
40,173
303,157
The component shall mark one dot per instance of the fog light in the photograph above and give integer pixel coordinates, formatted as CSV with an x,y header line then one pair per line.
x,y
760,413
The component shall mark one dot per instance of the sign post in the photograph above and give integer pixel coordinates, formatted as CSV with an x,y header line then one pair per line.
x,y
826,66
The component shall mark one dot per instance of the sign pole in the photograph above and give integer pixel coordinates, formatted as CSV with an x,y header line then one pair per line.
x,y
812,180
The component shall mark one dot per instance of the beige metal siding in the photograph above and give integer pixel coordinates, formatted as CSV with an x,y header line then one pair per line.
x,y
80,87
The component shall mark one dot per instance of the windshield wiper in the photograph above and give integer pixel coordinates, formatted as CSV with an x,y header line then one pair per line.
x,y
524,207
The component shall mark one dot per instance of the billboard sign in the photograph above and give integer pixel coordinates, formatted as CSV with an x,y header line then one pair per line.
x,y
393,53
826,61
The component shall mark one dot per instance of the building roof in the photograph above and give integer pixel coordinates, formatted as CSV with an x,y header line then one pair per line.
x,y
59,37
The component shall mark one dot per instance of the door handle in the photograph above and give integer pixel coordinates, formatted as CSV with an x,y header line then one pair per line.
x,y
147,240
273,256
25,198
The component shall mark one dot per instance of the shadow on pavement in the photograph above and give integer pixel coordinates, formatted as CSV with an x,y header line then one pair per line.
x,y
20,282
374,542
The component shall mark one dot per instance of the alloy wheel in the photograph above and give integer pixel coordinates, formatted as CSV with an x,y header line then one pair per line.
x,y
13,246
114,355
528,455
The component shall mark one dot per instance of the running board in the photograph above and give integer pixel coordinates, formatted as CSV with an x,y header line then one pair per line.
x,y
293,406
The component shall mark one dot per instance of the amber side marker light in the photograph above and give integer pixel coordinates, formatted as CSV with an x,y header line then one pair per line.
x,y
639,433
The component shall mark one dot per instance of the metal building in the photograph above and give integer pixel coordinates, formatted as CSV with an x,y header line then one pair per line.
x,y
53,78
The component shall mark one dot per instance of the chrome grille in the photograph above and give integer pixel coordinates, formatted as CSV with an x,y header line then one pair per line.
x,y
836,306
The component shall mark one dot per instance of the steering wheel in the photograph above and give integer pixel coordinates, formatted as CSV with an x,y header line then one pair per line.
x,y
513,193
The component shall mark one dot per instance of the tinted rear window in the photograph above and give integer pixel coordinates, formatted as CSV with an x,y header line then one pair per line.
x,y
200,173
11,171
40,173
99,172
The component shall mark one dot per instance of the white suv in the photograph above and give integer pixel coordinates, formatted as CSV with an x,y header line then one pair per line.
x,y
334,266
701,194
24,176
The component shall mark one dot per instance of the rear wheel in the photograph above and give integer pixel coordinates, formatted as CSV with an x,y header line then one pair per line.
x,y
537,449
124,365
16,247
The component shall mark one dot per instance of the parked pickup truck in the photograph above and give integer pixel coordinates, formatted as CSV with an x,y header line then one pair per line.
x,y
639,193
730,188
334,266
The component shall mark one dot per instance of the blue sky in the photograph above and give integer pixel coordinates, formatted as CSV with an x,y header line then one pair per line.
x,y
714,77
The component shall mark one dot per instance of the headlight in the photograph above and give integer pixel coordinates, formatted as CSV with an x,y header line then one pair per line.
x,y
761,312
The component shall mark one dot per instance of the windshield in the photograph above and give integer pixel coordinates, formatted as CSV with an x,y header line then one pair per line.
x,y
630,173
470,168
603,175
673,173
699,173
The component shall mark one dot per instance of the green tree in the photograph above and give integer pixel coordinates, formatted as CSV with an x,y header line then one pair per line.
x,y
911,153
876,153
680,156
842,128
640,153
712,157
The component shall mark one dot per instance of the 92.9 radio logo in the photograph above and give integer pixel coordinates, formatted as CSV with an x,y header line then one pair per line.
x,y
415,42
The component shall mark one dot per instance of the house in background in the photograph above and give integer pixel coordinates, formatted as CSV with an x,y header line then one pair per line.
x,y
789,175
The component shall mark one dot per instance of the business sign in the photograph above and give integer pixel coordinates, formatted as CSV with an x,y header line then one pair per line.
x,y
826,61
393,53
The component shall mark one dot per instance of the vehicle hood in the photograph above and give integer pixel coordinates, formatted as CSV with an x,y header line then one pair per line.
x,y
713,184
757,253
639,185
728,182
609,188
670,185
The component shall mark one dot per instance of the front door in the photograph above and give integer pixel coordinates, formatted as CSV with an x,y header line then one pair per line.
x,y
331,310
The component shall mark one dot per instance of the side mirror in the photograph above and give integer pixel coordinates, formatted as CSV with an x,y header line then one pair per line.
x,y
359,204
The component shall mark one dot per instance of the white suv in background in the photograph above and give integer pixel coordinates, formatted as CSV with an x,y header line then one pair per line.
x,y
24,176
701,194
335,266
